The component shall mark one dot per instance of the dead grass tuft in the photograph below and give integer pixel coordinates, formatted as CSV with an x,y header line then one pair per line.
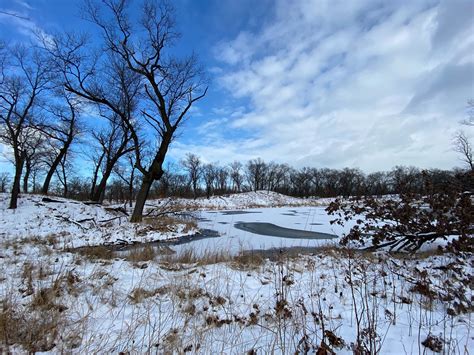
x,y
139,294
146,253
98,252
165,224
33,331
247,261
189,257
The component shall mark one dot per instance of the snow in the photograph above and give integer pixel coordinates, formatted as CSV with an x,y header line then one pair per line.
x,y
243,200
74,223
113,305
78,224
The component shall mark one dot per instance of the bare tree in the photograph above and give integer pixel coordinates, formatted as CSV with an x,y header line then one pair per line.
x,y
256,174
126,172
168,86
376,183
35,150
21,84
209,176
61,130
236,175
193,166
222,177
96,157
469,121
63,174
302,181
4,181
464,147
114,142
276,176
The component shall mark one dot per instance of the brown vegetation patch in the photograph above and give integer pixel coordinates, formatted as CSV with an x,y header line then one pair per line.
x,y
97,252
145,253
247,261
139,294
166,224
33,331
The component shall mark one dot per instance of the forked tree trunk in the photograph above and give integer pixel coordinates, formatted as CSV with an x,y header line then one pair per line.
x,y
154,173
99,192
95,176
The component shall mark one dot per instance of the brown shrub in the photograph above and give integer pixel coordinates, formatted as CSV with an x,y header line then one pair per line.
x,y
33,331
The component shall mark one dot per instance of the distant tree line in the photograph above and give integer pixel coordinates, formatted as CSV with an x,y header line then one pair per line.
x,y
192,178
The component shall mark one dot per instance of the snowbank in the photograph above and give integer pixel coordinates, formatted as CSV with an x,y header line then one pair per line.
x,y
75,223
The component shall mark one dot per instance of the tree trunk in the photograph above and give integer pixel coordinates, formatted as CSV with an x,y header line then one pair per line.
x,y
141,199
26,176
52,169
34,181
16,182
99,192
96,174
63,169
130,187
155,172
194,190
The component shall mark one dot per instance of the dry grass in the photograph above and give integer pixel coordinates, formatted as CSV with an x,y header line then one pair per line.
x,y
35,326
165,224
189,257
97,252
247,261
145,253
33,331
139,294
420,255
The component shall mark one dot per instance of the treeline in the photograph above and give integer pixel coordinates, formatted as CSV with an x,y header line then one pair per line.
x,y
192,178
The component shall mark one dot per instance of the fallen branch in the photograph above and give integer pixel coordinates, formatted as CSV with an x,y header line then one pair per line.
x,y
65,219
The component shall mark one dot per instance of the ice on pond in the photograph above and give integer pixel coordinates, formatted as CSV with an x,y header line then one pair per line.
x,y
312,223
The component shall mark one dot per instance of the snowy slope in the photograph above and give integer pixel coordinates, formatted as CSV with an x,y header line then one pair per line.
x,y
74,223
241,200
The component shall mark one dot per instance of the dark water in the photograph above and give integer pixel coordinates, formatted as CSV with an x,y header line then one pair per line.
x,y
230,213
273,230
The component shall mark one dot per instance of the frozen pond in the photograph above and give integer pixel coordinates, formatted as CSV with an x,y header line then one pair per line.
x,y
273,230
266,228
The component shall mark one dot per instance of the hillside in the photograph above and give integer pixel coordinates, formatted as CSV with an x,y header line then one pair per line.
x,y
252,199
77,224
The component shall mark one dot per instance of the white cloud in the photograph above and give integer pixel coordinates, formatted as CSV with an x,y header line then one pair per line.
x,y
360,83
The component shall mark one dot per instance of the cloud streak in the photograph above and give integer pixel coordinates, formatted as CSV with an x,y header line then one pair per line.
x,y
366,83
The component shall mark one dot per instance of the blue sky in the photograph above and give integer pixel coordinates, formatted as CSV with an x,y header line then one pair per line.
x,y
363,83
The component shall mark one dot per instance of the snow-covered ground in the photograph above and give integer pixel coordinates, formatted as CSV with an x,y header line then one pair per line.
x,y
54,300
75,223
115,305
